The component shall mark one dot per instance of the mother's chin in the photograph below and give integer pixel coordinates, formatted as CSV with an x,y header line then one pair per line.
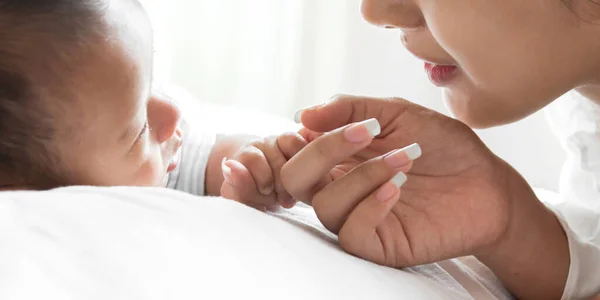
x,y
481,112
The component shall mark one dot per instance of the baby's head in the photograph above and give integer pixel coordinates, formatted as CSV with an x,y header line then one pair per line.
x,y
75,96
513,56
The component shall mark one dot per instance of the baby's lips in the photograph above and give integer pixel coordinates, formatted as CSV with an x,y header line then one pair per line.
x,y
173,164
177,143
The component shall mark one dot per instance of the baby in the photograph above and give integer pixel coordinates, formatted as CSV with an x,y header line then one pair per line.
x,y
77,108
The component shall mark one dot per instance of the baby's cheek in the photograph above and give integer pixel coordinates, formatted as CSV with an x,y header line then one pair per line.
x,y
151,173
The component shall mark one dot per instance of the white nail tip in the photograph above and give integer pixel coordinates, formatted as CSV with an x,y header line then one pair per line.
x,y
399,180
413,151
373,126
223,166
298,117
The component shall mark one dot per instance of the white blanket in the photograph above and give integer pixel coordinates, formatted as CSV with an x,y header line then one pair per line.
x,y
133,243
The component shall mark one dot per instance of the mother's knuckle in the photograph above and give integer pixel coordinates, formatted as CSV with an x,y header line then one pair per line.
x,y
372,171
322,149
318,203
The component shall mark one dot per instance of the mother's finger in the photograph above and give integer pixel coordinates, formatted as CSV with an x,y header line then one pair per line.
x,y
345,109
359,233
302,174
334,203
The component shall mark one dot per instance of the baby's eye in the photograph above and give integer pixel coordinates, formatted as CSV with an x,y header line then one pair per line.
x,y
137,143
143,132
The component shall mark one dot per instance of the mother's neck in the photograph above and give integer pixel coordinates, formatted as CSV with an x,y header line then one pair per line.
x,y
590,91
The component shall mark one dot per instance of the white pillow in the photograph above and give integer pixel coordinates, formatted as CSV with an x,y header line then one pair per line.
x,y
136,243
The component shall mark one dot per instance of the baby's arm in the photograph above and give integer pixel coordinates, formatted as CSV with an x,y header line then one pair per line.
x,y
252,163
200,159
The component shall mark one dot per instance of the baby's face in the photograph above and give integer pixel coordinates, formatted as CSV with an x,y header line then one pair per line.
x,y
512,56
123,133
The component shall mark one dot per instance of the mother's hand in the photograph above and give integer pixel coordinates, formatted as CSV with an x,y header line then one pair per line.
x,y
454,202
460,199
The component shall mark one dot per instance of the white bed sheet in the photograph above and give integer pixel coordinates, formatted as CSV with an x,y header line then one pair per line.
x,y
133,243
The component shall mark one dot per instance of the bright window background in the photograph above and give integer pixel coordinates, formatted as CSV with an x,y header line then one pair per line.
x,y
277,56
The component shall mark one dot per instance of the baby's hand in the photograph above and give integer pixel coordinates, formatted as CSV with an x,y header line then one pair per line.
x,y
252,176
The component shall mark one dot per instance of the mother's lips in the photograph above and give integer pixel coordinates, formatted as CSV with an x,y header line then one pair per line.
x,y
440,75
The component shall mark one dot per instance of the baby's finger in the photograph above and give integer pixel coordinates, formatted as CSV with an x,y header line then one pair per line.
x,y
302,174
309,135
239,185
359,235
277,150
288,203
257,163
290,144
337,200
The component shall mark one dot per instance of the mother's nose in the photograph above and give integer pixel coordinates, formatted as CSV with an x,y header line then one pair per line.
x,y
403,14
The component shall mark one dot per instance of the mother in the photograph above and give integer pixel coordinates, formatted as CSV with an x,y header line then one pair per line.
x,y
497,62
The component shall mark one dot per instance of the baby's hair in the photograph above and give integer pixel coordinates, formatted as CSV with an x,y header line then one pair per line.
x,y
41,44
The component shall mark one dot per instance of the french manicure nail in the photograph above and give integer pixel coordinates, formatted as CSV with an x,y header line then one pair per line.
x,y
402,157
373,127
399,180
388,190
397,159
413,151
362,131
298,116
